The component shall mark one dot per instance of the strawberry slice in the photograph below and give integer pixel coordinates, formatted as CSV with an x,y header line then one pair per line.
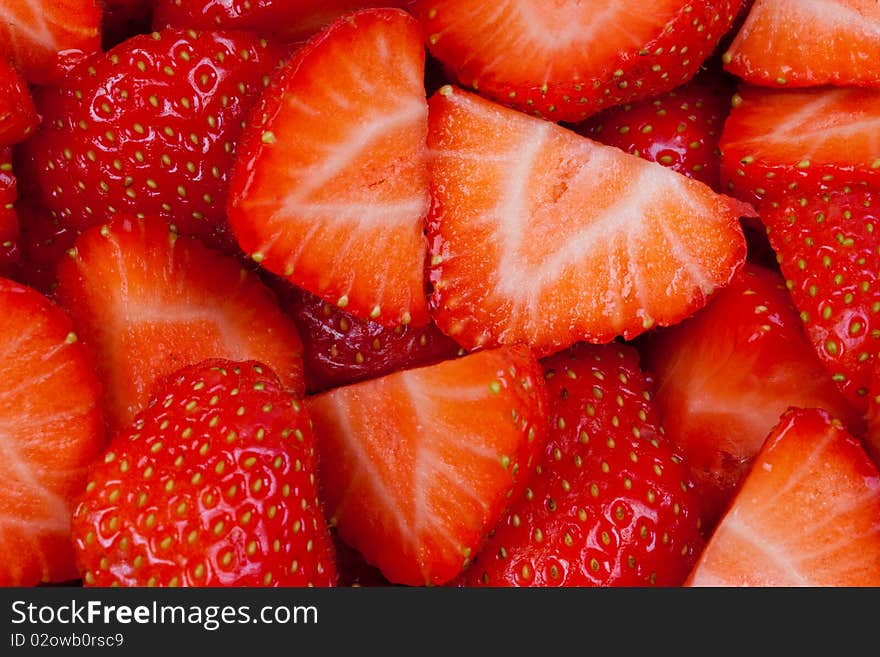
x,y
291,21
46,37
9,227
829,253
679,129
330,188
417,467
339,349
150,128
725,376
776,142
808,514
149,303
566,60
50,431
541,236
610,503
18,116
793,43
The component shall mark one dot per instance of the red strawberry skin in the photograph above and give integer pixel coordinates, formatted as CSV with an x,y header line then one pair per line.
x,y
150,128
18,116
725,375
213,484
418,466
610,503
827,247
679,129
43,242
340,349
9,227
566,61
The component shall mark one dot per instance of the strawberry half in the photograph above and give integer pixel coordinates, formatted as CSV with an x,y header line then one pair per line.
x,y
808,514
610,503
18,116
778,142
725,375
213,484
566,60
418,466
829,252
9,227
50,431
291,21
330,188
792,43
45,38
541,236
679,129
150,128
149,303
339,349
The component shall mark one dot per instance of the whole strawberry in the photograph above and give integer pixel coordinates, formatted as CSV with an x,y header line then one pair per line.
x,y
610,503
149,127
212,485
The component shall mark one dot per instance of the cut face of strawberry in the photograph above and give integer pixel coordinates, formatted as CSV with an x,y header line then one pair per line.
x,y
418,466
150,128
566,60
610,503
50,431
18,116
725,375
798,43
541,236
330,188
828,252
808,514
779,142
46,37
149,303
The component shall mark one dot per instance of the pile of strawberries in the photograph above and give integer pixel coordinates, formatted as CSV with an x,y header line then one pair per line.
x,y
447,292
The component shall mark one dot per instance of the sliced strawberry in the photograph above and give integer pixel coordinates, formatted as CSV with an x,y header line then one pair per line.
x,y
541,236
808,514
680,129
148,303
292,21
725,376
50,431
45,37
829,253
339,349
776,142
18,116
418,466
9,227
330,187
793,43
149,128
43,242
610,503
567,60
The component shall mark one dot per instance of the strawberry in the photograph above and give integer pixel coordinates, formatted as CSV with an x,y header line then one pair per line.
x,y
330,186
566,60
339,349
792,43
808,514
45,38
9,227
418,466
50,431
872,417
725,376
213,484
149,303
43,242
829,253
778,142
541,236
610,503
149,128
679,129
291,21
18,116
